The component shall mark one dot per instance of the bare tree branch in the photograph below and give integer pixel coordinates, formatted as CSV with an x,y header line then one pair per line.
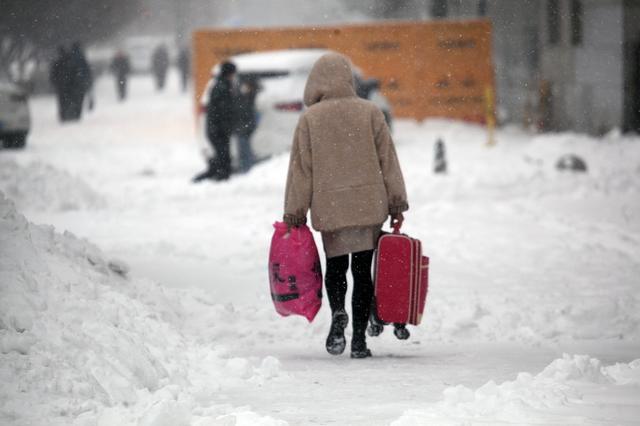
x,y
31,29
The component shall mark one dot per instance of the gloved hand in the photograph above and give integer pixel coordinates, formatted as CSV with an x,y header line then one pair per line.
x,y
293,221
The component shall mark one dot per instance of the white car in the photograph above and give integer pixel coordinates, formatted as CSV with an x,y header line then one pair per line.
x,y
15,120
282,75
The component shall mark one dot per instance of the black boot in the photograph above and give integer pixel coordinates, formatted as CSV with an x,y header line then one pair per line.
x,y
376,325
375,329
335,341
359,348
210,173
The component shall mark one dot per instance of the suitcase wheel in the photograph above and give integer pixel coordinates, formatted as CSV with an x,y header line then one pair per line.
x,y
401,332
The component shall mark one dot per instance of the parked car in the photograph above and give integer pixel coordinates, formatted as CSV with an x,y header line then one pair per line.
x,y
282,75
15,120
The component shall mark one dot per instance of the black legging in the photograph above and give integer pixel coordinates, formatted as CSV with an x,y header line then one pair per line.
x,y
222,160
336,284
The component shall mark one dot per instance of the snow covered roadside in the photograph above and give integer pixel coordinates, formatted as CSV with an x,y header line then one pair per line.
x,y
528,263
571,390
82,343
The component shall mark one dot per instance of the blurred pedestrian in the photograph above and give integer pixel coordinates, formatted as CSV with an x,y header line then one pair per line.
x,y
184,65
246,121
160,65
344,168
440,160
121,68
219,124
90,95
59,76
80,80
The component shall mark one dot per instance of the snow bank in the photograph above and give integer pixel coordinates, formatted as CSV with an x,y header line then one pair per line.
x,y
81,343
545,316
41,186
244,418
555,395
513,241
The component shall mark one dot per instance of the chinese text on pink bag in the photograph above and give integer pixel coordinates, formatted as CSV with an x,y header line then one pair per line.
x,y
295,274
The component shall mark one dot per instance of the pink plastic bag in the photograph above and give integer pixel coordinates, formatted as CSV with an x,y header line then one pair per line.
x,y
295,274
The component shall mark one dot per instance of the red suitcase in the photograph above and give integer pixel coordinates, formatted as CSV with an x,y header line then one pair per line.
x,y
401,279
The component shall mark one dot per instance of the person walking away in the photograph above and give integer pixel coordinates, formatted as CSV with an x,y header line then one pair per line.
x,y
59,77
160,65
121,68
246,121
90,95
80,80
184,65
344,168
219,124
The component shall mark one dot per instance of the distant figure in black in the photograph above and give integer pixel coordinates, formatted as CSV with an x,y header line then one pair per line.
x,y
121,67
440,160
80,80
219,124
184,65
246,121
160,65
59,76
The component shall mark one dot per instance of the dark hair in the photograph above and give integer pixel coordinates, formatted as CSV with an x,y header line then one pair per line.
x,y
227,68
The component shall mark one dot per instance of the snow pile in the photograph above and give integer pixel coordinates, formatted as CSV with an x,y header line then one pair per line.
x,y
546,316
244,418
513,241
40,186
625,374
81,343
566,383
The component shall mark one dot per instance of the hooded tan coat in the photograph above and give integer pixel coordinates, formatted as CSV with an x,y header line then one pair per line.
x,y
343,164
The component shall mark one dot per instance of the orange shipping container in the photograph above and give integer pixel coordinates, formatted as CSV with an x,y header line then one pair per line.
x,y
426,69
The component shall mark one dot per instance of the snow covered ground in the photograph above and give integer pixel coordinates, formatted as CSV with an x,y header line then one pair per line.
x,y
533,315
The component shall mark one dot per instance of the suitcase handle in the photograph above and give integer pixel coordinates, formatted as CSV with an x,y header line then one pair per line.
x,y
396,228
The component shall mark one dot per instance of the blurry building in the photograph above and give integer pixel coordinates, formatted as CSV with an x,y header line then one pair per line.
x,y
590,59
562,64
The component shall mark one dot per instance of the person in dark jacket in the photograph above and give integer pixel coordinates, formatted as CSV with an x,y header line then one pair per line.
x,y
246,121
160,65
220,124
121,67
80,80
59,78
184,65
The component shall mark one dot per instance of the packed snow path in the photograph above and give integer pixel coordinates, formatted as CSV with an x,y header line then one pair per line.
x,y
527,264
